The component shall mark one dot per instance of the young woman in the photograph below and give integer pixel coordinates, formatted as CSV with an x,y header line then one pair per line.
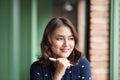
x,y
60,59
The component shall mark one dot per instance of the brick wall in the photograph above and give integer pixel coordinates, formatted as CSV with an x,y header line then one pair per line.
x,y
99,39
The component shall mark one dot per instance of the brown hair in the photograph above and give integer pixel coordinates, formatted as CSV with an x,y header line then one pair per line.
x,y
52,25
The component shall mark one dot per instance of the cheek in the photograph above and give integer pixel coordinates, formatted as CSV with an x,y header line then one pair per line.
x,y
55,48
55,44
72,44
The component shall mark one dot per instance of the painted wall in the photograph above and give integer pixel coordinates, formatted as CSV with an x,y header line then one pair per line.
x,y
20,21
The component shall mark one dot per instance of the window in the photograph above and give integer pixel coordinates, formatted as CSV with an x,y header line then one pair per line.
x,y
114,41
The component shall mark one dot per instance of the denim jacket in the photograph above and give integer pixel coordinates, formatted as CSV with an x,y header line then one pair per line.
x,y
79,71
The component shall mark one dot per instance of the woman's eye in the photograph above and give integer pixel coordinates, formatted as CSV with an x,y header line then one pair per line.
x,y
71,38
59,38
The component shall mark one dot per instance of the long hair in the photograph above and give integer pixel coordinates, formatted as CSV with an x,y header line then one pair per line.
x,y
52,25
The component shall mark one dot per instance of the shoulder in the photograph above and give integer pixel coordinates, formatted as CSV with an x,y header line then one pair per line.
x,y
36,71
84,61
35,66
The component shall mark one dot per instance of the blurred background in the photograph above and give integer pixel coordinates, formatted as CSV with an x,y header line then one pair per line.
x,y
22,23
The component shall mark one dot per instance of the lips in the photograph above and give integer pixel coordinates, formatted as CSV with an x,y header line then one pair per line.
x,y
64,50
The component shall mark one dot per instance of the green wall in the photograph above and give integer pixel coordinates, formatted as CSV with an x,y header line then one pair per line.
x,y
21,26
44,7
4,40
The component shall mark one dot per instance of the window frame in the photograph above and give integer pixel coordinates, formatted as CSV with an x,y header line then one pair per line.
x,y
114,40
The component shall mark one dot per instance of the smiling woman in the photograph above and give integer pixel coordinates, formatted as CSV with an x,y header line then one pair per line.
x,y
59,42
62,42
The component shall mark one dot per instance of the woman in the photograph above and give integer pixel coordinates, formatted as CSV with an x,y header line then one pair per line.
x,y
59,42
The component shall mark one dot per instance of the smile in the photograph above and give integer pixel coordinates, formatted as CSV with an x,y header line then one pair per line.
x,y
64,50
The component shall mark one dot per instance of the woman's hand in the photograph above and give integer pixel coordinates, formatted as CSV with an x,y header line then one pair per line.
x,y
61,65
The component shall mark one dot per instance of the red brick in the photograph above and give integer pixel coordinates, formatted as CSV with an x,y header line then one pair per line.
x,y
99,64
99,8
99,39
101,33
99,58
99,46
98,52
96,26
99,14
99,71
98,21
100,77
98,2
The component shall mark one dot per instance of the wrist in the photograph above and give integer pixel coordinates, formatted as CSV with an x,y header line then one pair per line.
x,y
57,76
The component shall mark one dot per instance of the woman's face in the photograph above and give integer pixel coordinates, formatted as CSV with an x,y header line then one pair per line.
x,y
62,42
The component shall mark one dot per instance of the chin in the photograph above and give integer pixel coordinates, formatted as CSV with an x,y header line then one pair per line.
x,y
65,56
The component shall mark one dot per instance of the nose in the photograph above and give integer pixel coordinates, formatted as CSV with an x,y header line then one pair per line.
x,y
65,44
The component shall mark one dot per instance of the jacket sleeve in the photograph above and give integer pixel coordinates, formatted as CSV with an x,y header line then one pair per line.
x,y
35,72
85,69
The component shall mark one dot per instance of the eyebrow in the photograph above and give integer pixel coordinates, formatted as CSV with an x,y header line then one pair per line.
x,y
63,36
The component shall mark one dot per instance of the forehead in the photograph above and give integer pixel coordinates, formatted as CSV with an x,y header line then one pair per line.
x,y
63,30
